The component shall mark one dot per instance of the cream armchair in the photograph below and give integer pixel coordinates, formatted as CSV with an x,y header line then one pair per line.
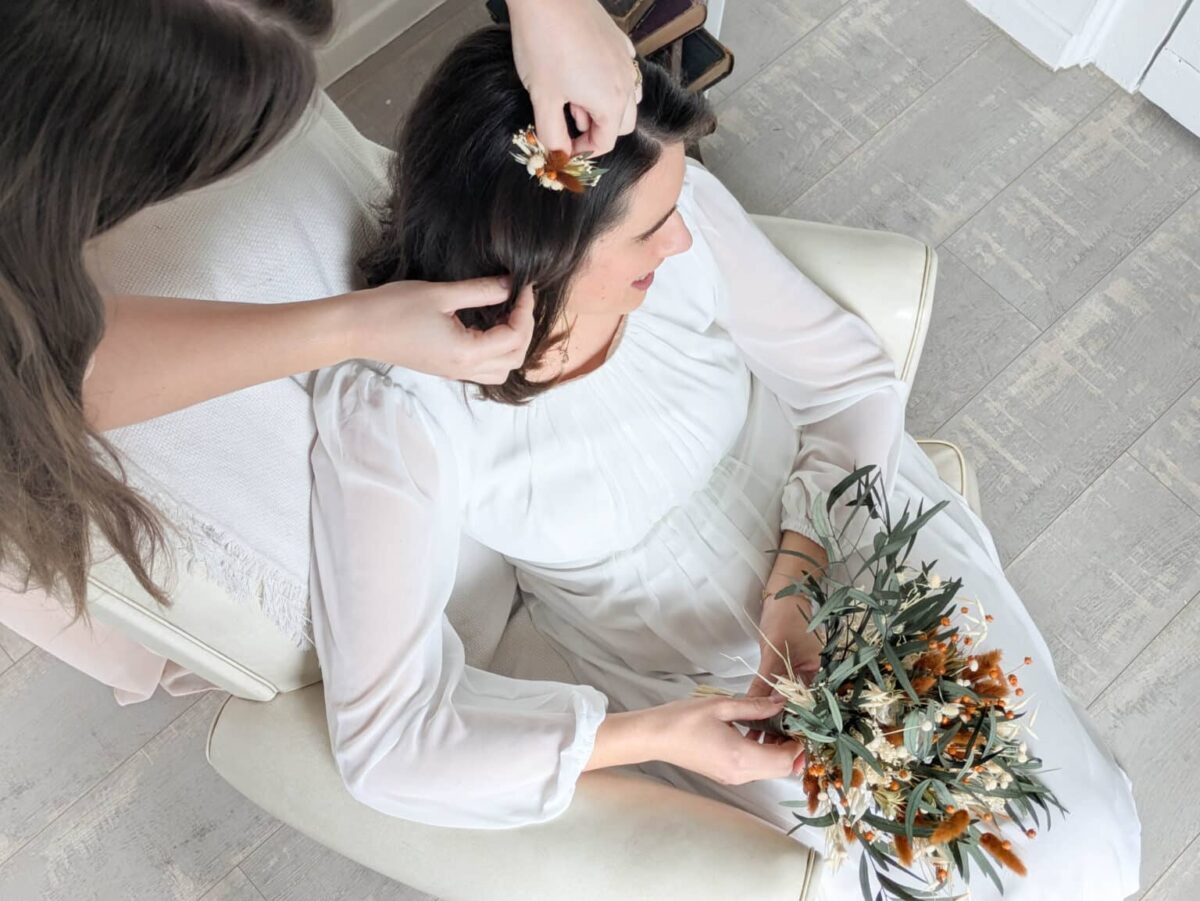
x,y
624,836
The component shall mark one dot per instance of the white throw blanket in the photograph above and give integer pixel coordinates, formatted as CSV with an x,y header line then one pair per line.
x,y
232,474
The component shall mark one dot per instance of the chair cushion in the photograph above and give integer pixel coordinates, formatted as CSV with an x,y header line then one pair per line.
x,y
624,836
885,278
954,469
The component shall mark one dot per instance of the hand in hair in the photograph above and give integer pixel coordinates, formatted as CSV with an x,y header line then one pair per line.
x,y
157,353
570,53
414,325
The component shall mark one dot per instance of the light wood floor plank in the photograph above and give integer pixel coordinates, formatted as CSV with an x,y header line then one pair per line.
x,y
1181,881
62,733
1151,717
1079,396
843,81
234,887
957,147
1109,574
162,827
292,867
764,34
973,335
13,644
1171,447
1052,233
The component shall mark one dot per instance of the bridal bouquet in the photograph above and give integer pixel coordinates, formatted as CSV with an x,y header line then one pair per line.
x,y
913,733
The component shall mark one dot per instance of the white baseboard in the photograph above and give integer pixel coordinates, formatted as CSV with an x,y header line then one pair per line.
x,y
1030,27
1121,37
363,27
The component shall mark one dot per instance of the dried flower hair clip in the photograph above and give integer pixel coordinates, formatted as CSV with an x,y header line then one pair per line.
x,y
554,169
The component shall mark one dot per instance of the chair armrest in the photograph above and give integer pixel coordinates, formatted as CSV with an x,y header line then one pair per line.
x,y
885,278
624,836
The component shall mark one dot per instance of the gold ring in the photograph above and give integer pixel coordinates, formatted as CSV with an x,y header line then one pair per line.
x,y
637,75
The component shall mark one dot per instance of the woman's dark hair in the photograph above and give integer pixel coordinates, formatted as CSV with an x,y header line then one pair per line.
x,y
107,106
462,208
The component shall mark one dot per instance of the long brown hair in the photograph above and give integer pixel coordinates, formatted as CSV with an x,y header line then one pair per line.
x,y
107,106
461,208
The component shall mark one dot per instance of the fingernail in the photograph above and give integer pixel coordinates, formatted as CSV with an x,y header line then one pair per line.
x,y
776,696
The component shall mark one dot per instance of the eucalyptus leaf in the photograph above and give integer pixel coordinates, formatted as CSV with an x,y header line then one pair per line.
x,y
981,859
834,710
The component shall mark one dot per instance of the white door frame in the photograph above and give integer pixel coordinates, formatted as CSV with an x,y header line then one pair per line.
x,y
1133,32
1121,37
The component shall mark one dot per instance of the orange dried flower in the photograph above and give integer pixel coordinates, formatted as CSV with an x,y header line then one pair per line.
x,y
933,662
997,848
951,828
904,850
924,684
811,789
991,689
988,660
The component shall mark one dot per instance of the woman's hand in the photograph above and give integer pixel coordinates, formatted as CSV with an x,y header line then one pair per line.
x,y
570,52
786,640
412,324
162,354
698,734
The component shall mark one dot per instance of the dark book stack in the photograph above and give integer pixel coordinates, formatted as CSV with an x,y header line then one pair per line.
x,y
668,32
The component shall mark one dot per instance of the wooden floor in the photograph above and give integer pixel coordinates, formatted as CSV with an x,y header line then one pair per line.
x,y
1064,357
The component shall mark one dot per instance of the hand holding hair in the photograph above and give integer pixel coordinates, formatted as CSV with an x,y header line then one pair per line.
x,y
570,53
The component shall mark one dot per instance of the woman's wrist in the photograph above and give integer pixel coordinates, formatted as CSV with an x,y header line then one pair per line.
x,y
626,738
342,328
798,557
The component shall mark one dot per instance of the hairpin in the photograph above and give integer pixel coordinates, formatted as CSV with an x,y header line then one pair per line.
x,y
555,169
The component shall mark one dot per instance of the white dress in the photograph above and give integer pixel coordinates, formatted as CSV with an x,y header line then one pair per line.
x,y
638,504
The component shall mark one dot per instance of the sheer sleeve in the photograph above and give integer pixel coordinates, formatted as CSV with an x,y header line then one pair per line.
x,y
417,733
824,364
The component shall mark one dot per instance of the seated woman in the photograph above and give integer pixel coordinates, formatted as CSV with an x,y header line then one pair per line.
x,y
687,393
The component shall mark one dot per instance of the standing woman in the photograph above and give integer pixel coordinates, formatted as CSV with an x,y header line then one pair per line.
x,y
110,106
